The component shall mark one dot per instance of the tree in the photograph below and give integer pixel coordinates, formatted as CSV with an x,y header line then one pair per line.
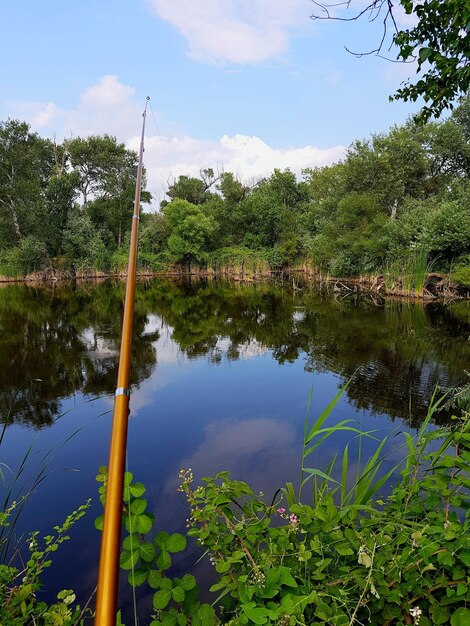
x,y
26,162
190,230
194,190
103,165
440,41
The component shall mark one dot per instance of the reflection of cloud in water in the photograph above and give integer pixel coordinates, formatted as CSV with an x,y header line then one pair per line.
x,y
261,451
97,347
247,350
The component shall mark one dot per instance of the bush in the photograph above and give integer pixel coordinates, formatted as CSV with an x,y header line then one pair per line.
x,y
347,558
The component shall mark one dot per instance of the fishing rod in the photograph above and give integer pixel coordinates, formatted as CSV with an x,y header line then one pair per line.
x,y
108,574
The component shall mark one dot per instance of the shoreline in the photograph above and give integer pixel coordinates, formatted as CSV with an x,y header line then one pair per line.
x,y
435,286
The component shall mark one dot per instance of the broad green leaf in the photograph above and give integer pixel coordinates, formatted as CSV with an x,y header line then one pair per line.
x,y
178,594
176,543
127,560
164,560
147,551
137,490
138,506
137,577
161,539
154,578
256,614
460,617
188,582
161,599
141,524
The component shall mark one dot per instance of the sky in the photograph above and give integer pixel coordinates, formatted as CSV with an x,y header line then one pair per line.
x,y
237,85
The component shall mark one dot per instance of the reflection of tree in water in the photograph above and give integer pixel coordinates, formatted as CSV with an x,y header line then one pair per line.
x,y
55,342
396,353
69,337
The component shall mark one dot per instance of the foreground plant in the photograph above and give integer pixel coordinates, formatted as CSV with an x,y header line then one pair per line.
x,y
19,585
348,558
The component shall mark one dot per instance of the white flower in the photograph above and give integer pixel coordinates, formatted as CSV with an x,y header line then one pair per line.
x,y
416,613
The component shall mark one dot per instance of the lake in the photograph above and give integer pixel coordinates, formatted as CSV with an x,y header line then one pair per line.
x,y
221,378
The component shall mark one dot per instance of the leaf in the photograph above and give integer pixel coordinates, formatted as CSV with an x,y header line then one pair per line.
x,y
127,560
460,617
138,506
424,54
137,577
137,490
147,551
206,615
178,594
188,582
154,578
142,524
176,543
286,578
257,615
161,599
99,521
161,539
131,542
464,556
164,560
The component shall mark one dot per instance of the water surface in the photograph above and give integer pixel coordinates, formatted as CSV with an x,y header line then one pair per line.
x,y
221,376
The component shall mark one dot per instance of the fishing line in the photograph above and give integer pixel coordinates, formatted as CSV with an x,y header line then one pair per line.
x,y
165,156
128,495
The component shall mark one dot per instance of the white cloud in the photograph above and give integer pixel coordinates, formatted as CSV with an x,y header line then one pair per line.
x,y
112,107
234,31
107,107
249,157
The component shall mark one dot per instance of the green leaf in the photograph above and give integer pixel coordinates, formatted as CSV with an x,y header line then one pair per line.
x,y
161,599
424,54
147,551
286,578
188,582
131,542
138,506
154,578
206,615
137,490
460,617
257,615
464,556
137,577
142,524
176,543
127,560
164,560
161,539
178,594
222,567
99,521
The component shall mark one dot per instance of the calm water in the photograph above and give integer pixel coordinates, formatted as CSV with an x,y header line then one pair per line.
x,y
221,376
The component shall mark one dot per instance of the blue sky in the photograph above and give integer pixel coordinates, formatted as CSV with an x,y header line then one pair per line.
x,y
240,85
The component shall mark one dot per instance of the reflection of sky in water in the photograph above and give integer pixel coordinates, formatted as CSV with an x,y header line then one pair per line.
x,y
244,415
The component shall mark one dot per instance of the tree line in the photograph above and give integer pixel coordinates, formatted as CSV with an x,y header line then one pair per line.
x,y
397,200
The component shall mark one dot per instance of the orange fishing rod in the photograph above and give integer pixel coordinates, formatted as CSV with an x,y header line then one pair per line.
x,y
108,575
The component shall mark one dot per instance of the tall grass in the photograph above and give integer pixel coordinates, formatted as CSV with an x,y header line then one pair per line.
x,y
408,275
351,487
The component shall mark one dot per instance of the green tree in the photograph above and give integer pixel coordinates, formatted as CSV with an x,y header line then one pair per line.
x,y
439,40
26,162
194,190
82,243
190,232
61,194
